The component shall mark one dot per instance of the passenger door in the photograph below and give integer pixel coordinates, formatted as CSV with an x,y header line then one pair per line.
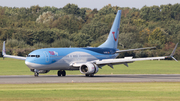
x,y
46,56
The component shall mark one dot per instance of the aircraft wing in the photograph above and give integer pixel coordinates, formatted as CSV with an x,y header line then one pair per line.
x,y
10,56
14,57
125,61
119,51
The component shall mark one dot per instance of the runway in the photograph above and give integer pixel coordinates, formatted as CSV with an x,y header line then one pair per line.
x,y
29,79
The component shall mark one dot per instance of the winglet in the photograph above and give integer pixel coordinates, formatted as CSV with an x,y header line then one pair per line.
x,y
4,49
173,52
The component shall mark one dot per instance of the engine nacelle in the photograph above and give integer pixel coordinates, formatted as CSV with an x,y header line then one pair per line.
x,y
40,71
89,68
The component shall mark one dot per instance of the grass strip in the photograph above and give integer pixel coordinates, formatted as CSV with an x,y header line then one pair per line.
x,y
91,91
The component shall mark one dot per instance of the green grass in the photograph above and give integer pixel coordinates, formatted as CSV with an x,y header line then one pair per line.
x,y
18,67
91,92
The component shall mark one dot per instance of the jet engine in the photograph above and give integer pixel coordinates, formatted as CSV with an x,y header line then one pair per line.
x,y
40,71
89,68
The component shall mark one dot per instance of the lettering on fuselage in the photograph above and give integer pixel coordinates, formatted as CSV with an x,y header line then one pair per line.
x,y
106,52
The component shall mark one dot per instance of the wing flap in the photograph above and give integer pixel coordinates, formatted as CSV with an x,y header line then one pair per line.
x,y
74,64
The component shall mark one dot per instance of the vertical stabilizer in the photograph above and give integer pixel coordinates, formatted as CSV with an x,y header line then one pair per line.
x,y
112,40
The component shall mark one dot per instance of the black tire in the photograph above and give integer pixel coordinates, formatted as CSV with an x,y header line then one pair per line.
x,y
87,75
36,74
91,75
59,73
63,73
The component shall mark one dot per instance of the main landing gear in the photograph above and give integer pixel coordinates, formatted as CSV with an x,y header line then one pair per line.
x,y
61,73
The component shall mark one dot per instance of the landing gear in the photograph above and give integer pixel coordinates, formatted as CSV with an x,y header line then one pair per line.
x,y
89,75
36,72
61,73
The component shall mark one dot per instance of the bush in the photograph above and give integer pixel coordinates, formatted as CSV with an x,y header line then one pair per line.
x,y
15,43
62,43
41,45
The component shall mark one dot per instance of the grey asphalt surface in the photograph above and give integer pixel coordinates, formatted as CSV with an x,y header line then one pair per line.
x,y
30,79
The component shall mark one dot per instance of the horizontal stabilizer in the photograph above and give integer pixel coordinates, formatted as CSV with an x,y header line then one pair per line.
x,y
119,51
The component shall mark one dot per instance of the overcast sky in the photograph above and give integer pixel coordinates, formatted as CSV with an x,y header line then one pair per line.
x,y
86,3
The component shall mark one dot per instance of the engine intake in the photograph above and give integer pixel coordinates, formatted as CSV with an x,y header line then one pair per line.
x,y
89,68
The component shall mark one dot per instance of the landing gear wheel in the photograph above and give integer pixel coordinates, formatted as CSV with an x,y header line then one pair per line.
x,y
63,73
36,74
59,73
91,75
87,75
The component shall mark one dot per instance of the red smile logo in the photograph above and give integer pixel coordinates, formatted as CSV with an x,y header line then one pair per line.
x,y
51,52
114,36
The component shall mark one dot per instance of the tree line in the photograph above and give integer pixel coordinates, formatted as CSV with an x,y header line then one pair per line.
x,y
27,29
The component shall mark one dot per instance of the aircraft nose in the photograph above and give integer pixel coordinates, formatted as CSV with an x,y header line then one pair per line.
x,y
29,64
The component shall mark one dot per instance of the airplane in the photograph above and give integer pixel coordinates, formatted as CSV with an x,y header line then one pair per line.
x,y
87,60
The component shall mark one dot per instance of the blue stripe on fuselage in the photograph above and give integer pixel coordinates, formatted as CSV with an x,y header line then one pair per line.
x,y
104,51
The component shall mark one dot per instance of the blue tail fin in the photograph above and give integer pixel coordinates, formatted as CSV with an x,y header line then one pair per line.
x,y
112,40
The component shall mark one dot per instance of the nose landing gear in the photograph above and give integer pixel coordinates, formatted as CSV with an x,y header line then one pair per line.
x,y
36,73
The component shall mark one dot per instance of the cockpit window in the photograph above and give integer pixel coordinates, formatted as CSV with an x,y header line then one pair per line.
x,y
34,56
